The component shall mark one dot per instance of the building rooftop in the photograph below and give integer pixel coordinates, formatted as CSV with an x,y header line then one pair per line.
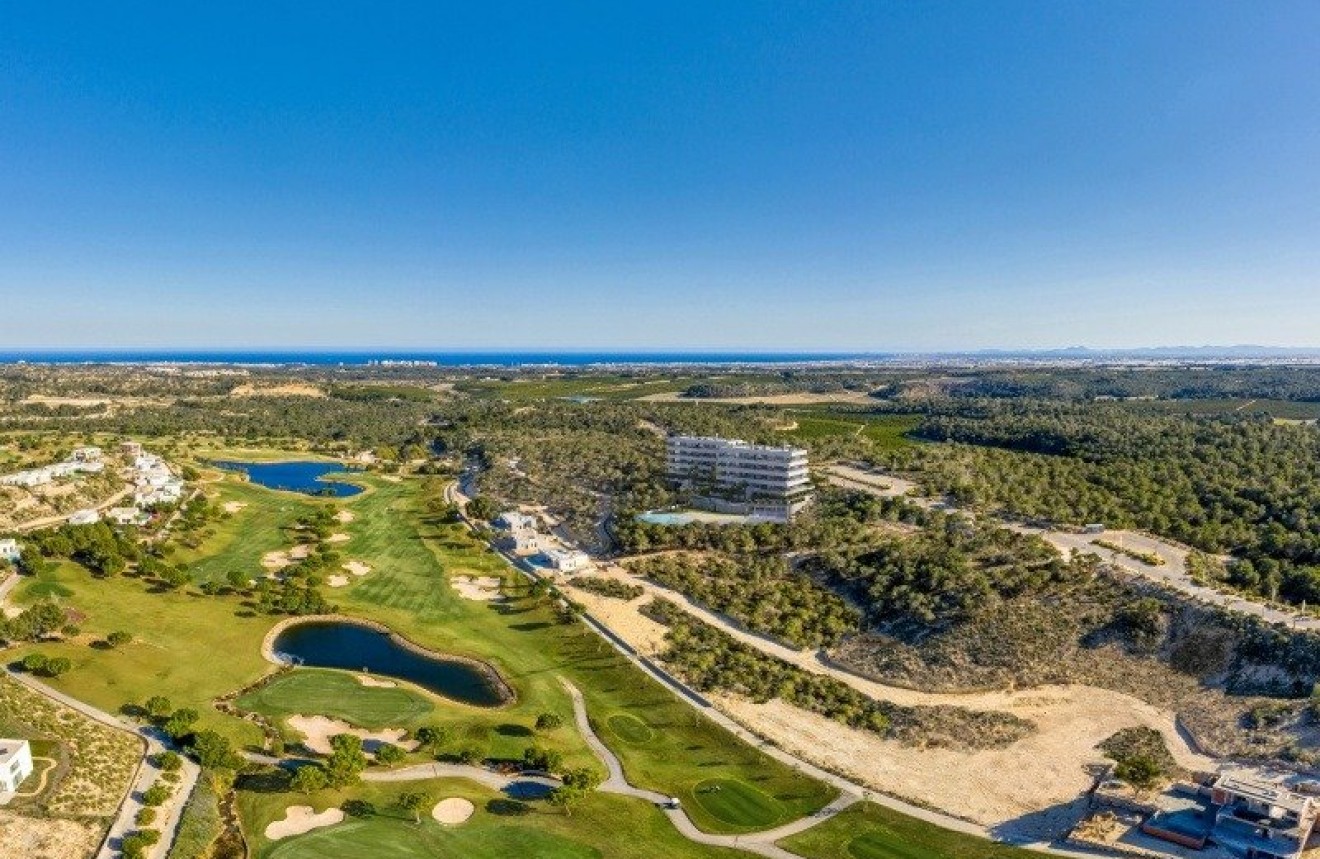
x,y
10,748
1274,795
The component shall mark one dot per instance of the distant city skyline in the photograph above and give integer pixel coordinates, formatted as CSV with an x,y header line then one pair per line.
x,y
780,176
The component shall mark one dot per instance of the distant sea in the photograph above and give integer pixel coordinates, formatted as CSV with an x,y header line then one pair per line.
x,y
445,359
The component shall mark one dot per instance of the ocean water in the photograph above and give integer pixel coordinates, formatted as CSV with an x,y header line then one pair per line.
x,y
444,359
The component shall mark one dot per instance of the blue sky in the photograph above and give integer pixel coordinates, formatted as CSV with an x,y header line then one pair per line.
x,y
820,176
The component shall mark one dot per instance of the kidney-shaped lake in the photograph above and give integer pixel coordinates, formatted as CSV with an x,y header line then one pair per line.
x,y
355,647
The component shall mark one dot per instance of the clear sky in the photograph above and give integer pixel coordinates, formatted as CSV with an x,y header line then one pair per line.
x,y
721,173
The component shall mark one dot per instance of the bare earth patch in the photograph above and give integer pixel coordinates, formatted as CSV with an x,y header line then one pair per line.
x,y
49,838
290,390
368,680
302,818
317,731
339,537
234,506
357,568
479,588
1045,770
337,581
281,558
344,517
453,810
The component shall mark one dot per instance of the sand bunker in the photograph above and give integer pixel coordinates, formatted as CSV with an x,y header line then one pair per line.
x,y
357,568
452,810
368,680
317,731
282,558
482,588
337,581
302,818
344,517
233,506
338,538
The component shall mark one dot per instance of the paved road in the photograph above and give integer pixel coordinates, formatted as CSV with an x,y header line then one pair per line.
x,y
1172,573
168,816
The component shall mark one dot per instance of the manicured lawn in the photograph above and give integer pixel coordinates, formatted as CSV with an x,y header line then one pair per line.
x,y
187,647
339,695
870,831
409,591
630,729
602,826
243,537
738,803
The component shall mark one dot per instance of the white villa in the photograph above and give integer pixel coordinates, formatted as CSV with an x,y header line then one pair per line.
x,y
126,516
10,550
567,560
15,764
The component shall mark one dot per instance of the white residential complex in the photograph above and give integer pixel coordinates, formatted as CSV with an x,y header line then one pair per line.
x,y
15,764
732,476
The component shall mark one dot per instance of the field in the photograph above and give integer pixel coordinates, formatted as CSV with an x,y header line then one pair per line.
x,y
884,432
869,831
596,386
340,696
500,828
177,634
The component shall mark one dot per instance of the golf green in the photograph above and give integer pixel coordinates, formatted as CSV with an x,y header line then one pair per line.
x,y
738,803
339,695
400,839
630,729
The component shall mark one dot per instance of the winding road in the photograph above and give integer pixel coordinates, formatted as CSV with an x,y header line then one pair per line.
x,y
168,815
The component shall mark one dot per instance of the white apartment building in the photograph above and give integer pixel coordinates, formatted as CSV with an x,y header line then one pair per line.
x,y
567,560
10,550
732,476
15,764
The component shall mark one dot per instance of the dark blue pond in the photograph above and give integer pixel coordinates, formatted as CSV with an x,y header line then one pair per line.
x,y
328,644
309,478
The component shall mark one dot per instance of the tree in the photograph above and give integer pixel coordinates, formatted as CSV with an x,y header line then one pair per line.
x,y
169,761
239,580
34,663
155,795
546,760
57,666
433,738
482,508
158,706
118,638
213,751
583,777
566,796
175,577
413,801
549,721
1140,771
347,760
309,779
390,755
180,723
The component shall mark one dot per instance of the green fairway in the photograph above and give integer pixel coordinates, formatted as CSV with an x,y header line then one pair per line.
x,y
630,729
402,839
414,556
242,537
339,695
870,831
738,804
603,825
187,647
